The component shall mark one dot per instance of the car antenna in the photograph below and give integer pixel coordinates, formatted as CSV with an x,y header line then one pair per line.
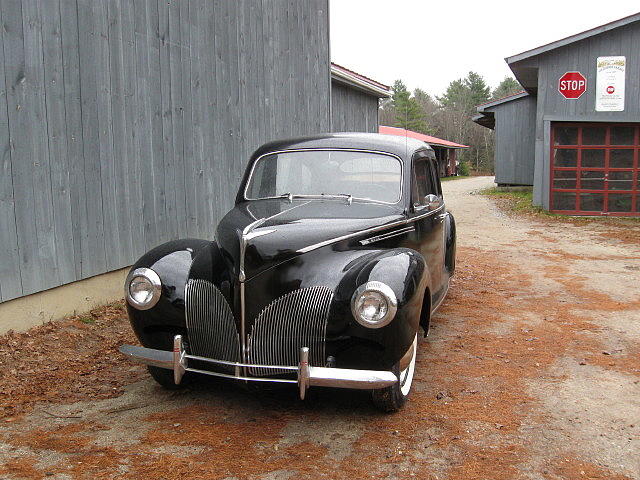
x,y
406,142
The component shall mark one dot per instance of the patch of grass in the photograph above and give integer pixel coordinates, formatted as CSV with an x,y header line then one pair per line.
x,y
87,319
521,202
447,179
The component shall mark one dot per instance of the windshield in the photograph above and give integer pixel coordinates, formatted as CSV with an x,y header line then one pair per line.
x,y
360,175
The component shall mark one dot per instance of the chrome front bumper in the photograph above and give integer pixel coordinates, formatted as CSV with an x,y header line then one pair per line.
x,y
178,361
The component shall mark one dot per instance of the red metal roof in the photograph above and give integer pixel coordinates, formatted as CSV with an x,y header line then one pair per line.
x,y
401,132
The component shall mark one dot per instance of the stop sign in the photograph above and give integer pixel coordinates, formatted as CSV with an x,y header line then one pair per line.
x,y
572,85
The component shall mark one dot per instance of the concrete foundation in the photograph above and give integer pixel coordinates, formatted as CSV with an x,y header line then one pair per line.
x,y
78,297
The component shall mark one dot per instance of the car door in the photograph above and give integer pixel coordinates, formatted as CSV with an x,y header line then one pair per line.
x,y
427,213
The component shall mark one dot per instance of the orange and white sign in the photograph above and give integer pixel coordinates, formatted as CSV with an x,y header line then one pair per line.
x,y
610,78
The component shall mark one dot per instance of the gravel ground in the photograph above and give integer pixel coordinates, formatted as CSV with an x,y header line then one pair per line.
x,y
531,371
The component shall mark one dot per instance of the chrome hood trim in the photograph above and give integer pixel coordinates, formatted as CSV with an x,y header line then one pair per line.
x,y
367,231
245,236
248,234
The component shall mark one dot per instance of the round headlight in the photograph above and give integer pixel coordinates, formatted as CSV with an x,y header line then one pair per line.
x,y
143,288
374,305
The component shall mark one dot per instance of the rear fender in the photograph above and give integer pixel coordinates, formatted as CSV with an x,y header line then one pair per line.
x,y
450,255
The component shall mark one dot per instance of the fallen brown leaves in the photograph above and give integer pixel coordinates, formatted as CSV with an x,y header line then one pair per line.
x,y
66,361
481,376
495,333
22,467
240,447
574,469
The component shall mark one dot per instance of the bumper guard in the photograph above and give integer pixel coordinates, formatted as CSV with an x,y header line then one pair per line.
x,y
178,361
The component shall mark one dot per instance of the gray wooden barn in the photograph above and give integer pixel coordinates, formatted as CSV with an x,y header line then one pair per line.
x,y
127,123
574,132
355,100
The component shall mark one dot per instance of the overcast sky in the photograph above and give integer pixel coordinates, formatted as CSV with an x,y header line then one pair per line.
x,y
430,43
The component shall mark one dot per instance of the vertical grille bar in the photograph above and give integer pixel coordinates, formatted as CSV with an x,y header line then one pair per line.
x,y
210,323
295,320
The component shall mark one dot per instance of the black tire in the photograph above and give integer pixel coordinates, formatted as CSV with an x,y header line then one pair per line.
x,y
163,340
391,399
165,378
450,255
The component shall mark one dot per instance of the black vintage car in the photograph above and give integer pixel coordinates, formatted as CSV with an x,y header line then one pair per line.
x,y
338,250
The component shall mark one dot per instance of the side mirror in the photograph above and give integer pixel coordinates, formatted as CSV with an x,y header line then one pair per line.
x,y
432,202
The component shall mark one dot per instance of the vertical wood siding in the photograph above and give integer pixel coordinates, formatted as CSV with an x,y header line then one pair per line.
x,y
353,110
515,141
582,56
128,123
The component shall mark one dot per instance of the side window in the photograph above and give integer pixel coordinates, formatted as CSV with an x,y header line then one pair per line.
x,y
435,177
423,181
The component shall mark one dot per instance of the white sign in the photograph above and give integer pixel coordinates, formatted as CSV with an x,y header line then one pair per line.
x,y
610,84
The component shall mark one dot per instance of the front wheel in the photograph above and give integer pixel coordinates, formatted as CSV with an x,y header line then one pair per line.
x,y
165,378
393,398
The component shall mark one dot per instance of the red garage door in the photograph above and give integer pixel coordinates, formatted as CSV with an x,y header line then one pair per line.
x,y
594,169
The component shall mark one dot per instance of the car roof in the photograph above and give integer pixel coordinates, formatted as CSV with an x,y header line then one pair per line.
x,y
403,147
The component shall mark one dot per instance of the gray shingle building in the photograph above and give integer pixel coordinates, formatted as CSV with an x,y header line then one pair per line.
x,y
574,132
128,124
354,101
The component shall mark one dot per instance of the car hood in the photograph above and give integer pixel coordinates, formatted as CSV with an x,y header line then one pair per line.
x,y
285,229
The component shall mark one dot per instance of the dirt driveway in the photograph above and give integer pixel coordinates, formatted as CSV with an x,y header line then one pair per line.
x,y
531,371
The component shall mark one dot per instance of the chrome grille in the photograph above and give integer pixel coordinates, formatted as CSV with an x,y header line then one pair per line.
x,y
295,320
210,323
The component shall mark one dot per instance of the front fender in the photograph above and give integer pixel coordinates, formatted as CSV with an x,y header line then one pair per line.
x,y
343,270
172,262
405,271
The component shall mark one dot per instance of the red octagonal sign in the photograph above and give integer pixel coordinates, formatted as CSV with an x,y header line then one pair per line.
x,y
572,85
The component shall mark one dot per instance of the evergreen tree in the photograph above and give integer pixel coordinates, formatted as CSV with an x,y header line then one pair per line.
x,y
479,91
507,87
455,97
459,104
464,94
448,116
408,113
429,108
425,100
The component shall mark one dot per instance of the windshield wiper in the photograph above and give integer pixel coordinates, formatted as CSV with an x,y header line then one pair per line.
x,y
348,197
287,195
290,196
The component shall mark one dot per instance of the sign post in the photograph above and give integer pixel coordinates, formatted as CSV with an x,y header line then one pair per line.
x,y
572,85
610,84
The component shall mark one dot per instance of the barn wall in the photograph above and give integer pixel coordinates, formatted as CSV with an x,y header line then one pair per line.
x,y
515,127
353,110
125,124
552,106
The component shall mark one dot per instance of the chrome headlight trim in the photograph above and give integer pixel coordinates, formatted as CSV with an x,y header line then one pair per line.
x,y
153,278
387,293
